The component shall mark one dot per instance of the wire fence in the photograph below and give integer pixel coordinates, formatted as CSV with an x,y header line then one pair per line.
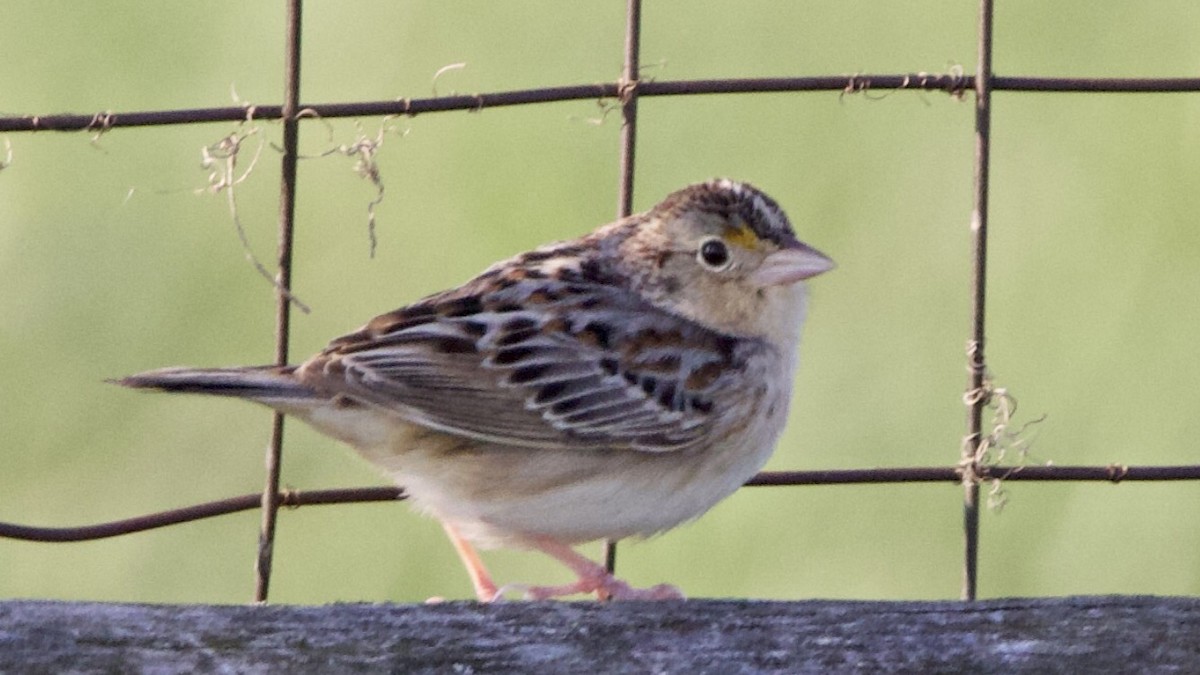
x,y
975,465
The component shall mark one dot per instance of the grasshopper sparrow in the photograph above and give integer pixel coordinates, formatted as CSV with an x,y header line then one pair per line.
x,y
611,386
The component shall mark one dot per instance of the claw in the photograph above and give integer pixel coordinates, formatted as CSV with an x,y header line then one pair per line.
x,y
605,587
616,589
504,590
612,588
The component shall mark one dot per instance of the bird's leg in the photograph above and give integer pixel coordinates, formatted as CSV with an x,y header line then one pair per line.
x,y
593,578
485,588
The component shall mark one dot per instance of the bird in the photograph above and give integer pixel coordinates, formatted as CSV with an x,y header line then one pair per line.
x,y
607,387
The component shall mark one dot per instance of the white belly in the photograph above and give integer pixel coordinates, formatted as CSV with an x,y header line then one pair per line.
x,y
498,496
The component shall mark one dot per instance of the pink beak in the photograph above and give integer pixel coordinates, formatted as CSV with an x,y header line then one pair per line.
x,y
790,265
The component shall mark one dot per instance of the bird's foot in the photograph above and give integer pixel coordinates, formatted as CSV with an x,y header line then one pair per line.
x,y
529,592
615,589
605,587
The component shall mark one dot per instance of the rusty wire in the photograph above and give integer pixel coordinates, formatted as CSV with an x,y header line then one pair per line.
x,y
952,83
948,475
977,396
628,92
283,299
969,472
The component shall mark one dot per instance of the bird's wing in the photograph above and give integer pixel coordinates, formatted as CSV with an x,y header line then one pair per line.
x,y
536,363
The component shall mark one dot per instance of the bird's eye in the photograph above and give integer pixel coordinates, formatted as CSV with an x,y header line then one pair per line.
x,y
714,254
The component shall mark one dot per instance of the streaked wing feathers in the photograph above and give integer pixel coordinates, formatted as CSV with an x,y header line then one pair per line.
x,y
538,363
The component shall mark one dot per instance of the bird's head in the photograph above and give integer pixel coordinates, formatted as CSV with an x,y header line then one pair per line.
x,y
724,254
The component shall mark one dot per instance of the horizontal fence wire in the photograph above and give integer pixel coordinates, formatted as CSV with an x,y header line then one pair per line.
x,y
1114,473
951,83
287,499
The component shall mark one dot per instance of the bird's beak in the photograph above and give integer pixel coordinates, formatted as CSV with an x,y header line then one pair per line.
x,y
787,266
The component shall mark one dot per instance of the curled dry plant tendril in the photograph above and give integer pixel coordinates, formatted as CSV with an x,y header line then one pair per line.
x,y
607,106
221,160
1002,437
442,71
101,123
365,150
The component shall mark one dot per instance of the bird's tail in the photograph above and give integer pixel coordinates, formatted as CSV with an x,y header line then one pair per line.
x,y
257,383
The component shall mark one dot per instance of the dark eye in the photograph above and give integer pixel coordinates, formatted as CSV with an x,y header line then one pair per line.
x,y
714,253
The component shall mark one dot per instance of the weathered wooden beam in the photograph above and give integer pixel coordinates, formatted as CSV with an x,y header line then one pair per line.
x,y
1067,635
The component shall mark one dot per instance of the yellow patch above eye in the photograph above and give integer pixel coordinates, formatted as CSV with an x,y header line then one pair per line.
x,y
741,235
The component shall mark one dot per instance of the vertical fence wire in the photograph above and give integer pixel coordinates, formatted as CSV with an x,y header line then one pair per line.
x,y
629,105
287,212
628,95
976,363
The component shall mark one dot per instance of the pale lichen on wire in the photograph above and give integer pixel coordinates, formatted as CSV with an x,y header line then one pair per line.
x,y
100,124
956,88
609,105
959,81
858,83
1002,438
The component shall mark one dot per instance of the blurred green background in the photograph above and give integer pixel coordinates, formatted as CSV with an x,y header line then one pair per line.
x,y
111,263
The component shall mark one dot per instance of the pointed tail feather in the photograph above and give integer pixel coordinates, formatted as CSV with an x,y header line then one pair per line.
x,y
261,383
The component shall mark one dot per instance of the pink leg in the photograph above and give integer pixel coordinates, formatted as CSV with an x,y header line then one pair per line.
x,y
485,588
593,578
